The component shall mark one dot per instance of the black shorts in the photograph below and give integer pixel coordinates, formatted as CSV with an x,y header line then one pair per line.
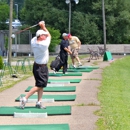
x,y
41,75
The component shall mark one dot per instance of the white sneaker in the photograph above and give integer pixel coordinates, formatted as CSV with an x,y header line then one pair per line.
x,y
74,66
54,71
39,105
80,64
23,101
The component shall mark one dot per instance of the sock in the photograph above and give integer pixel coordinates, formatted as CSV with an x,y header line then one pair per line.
x,y
38,102
24,99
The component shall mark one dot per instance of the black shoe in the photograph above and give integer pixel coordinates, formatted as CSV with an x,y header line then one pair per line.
x,y
40,106
65,73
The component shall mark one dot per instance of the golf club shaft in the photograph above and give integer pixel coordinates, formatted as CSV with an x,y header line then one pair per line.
x,y
26,29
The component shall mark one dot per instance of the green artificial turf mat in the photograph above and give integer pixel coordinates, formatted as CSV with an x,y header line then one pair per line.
x,y
36,127
55,97
56,89
84,67
78,70
64,80
67,74
50,110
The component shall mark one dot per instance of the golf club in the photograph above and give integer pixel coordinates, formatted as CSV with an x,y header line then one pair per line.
x,y
13,35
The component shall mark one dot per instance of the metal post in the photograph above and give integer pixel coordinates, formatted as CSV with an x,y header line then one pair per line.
x,y
70,16
17,9
69,2
16,45
104,24
10,33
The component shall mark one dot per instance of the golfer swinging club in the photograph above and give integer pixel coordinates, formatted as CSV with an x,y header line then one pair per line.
x,y
40,44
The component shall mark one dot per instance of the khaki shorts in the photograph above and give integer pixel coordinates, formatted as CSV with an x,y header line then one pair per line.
x,y
74,53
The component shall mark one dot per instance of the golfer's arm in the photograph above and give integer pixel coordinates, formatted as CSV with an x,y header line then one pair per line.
x,y
67,50
78,42
45,29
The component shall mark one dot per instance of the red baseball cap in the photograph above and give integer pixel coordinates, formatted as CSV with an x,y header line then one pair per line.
x,y
69,35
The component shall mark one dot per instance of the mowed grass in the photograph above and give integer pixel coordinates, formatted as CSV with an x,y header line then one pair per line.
x,y
114,96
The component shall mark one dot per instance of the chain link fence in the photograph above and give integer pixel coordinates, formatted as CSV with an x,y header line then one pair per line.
x,y
20,44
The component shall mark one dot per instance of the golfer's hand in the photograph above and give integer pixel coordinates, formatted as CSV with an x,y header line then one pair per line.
x,y
41,24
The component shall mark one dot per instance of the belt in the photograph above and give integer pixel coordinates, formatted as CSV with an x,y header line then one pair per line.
x,y
40,64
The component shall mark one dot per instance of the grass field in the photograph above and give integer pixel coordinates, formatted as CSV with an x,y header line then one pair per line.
x,y
114,96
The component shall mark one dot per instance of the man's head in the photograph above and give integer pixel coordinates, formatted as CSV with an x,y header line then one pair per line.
x,y
41,35
65,36
69,36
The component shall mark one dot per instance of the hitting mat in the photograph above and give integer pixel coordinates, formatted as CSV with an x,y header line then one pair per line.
x,y
78,70
50,110
64,80
56,97
84,67
56,89
36,127
67,74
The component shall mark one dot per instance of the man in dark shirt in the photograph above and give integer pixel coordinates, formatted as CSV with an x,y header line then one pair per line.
x,y
64,50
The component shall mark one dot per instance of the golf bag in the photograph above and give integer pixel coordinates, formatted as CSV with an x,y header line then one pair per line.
x,y
56,64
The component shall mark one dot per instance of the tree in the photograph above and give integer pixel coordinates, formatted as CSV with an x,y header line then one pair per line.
x,y
4,15
88,33
86,19
55,39
1,63
117,20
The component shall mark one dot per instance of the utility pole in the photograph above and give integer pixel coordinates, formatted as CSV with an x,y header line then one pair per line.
x,y
10,33
104,24
69,2
69,17
17,10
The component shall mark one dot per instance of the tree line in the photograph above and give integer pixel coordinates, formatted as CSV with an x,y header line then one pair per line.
x,y
86,18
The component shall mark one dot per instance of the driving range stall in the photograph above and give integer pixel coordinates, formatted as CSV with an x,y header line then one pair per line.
x,y
54,85
34,127
56,89
58,93
33,112
59,74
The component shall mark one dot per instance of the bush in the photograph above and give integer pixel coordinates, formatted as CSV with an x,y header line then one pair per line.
x,y
55,39
1,62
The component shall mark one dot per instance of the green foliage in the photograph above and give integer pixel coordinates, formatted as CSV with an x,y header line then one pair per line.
x,y
4,15
6,42
1,62
117,15
55,39
86,18
4,8
88,29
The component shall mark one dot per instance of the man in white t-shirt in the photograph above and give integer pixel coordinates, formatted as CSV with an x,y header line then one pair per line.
x,y
40,44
